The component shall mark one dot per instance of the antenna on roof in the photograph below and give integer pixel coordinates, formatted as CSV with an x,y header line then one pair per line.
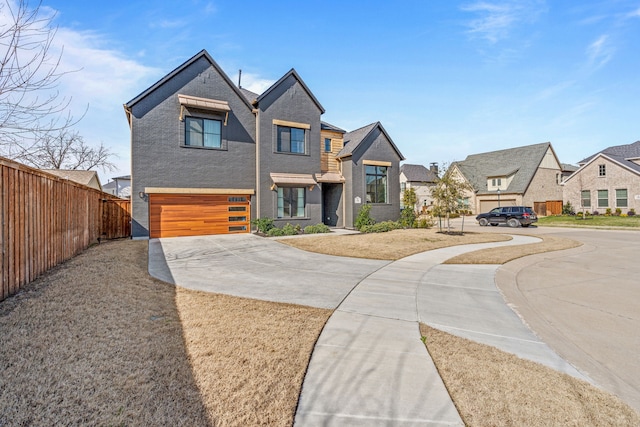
x,y
239,79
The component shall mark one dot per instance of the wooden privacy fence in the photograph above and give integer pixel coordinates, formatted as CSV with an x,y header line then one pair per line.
x,y
45,220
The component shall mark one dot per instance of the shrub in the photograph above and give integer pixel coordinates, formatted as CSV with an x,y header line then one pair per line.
x,y
425,223
408,217
364,217
317,228
631,212
618,212
608,212
381,227
290,230
263,225
275,232
567,209
453,215
594,213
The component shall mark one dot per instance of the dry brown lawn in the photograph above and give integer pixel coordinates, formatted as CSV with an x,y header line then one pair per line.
x,y
493,388
505,254
97,341
392,245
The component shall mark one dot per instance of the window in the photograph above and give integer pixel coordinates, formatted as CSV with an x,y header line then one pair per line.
x,y
602,170
376,184
496,182
585,196
290,140
327,145
203,133
603,198
290,202
621,198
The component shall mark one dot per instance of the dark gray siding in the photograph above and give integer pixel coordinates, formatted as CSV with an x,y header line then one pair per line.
x,y
160,160
289,102
376,147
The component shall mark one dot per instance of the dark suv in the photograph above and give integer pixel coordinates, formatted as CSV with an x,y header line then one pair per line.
x,y
510,215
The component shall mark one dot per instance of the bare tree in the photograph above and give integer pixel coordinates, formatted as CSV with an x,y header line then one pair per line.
x,y
448,194
30,105
66,149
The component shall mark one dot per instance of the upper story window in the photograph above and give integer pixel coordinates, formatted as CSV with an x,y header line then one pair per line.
x,y
376,184
327,145
291,140
203,132
496,182
602,170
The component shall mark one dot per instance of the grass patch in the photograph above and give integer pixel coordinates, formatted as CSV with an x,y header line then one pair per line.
x,y
97,341
491,388
601,221
392,245
505,254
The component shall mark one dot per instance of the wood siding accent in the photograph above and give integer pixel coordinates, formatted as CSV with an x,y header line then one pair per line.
x,y
174,215
45,220
328,161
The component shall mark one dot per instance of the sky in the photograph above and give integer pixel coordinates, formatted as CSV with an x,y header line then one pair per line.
x,y
445,78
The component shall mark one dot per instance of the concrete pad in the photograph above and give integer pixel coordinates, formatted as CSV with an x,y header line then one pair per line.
x,y
254,267
372,371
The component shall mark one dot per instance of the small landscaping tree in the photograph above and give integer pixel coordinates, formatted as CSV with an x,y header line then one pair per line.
x,y
447,195
408,214
364,217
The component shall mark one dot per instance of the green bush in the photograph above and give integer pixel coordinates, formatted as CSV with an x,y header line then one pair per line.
x,y
408,217
608,212
381,227
618,212
631,212
567,209
364,217
263,225
275,232
290,230
316,229
425,223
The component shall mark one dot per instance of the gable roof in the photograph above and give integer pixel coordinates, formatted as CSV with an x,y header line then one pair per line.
x,y
202,54
88,178
620,154
250,96
417,173
353,139
522,162
292,72
329,126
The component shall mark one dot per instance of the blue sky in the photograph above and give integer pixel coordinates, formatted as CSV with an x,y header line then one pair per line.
x,y
445,78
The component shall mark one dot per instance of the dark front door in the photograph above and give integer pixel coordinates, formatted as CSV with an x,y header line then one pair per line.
x,y
331,196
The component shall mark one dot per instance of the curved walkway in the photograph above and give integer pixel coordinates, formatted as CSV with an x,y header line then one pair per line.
x,y
369,366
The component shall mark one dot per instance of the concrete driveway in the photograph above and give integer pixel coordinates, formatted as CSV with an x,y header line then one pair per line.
x,y
254,267
584,302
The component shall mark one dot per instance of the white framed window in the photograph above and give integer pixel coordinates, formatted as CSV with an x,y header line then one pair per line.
x,y
602,170
622,200
585,197
603,198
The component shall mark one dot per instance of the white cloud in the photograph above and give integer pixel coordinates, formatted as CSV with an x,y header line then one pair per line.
x,y
634,14
253,82
496,20
600,51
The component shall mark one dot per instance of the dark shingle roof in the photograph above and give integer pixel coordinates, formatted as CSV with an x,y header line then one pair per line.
x,y
329,126
523,160
621,154
566,167
250,96
354,138
417,173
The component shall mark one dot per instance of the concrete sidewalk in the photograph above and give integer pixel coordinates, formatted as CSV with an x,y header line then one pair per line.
x,y
369,366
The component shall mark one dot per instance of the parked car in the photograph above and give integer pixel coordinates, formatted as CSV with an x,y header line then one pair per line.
x,y
510,215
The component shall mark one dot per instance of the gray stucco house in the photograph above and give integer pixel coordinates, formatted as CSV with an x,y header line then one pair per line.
x,y
208,156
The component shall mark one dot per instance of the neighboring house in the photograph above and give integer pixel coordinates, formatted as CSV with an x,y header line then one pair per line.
x,y
567,170
88,178
529,176
607,179
119,187
208,156
422,180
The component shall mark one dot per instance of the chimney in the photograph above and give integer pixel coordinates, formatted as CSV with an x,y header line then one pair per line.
x,y
433,167
239,79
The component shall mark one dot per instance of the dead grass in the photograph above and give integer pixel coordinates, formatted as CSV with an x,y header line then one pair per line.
x,y
505,254
97,341
494,388
392,245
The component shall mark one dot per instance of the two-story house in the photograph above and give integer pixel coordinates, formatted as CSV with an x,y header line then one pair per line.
x,y
209,156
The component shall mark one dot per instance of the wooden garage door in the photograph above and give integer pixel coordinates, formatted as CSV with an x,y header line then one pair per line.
x,y
173,215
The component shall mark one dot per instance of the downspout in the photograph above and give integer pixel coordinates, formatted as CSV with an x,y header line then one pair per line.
x,y
342,196
256,111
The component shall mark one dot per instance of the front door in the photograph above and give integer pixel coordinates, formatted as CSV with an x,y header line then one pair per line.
x,y
331,196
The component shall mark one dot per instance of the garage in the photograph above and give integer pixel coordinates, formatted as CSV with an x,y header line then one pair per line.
x,y
175,215
487,205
